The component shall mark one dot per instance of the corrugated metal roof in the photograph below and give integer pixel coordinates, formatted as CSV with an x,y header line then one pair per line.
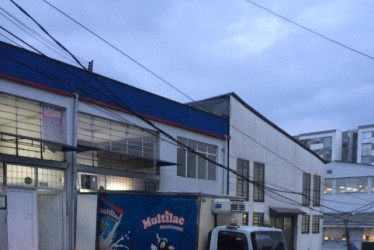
x,y
41,71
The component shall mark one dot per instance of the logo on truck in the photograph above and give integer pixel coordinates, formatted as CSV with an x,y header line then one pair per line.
x,y
166,217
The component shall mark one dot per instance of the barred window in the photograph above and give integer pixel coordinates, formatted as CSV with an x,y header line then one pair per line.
x,y
315,223
191,165
90,181
242,184
25,123
27,176
259,182
306,189
305,224
116,145
316,190
258,219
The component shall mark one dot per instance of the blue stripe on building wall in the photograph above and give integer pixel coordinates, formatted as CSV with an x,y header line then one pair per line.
x,y
28,66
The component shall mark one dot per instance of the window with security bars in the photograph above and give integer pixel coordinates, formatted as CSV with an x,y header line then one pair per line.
x,y
242,183
258,182
24,124
191,164
316,190
27,176
51,178
306,189
109,182
315,224
116,145
258,219
305,223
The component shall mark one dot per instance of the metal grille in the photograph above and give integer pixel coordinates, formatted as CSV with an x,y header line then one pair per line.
x,y
50,178
108,182
23,118
21,175
115,143
35,177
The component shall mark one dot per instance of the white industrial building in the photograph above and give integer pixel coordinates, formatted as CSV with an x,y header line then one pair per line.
x,y
285,177
66,133
63,136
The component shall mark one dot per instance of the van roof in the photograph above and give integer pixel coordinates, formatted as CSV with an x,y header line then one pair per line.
x,y
249,229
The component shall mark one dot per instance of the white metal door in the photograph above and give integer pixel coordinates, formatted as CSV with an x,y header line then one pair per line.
x,y
22,219
50,220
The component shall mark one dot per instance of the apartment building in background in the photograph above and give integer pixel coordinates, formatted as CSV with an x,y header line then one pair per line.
x,y
355,145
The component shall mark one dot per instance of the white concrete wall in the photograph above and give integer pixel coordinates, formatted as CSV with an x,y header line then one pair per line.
x,y
66,102
285,162
43,96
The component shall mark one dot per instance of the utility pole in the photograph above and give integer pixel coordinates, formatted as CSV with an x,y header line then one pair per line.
x,y
90,66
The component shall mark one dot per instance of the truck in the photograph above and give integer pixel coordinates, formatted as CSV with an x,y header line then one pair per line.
x,y
233,237
183,221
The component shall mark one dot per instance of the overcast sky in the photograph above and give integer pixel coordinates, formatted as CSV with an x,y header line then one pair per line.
x,y
298,80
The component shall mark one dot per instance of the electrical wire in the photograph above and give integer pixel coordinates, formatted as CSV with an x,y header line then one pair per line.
x,y
121,52
168,136
46,32
310,30
37,36
11,41
274,191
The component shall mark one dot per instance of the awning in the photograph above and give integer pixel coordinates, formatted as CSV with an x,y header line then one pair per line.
x,y
64,147
130,158
82,148
284,211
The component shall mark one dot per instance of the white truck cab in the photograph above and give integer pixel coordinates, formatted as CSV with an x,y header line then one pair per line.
x,y
246,238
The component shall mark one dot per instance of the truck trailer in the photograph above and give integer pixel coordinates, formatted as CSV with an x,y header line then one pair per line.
x,y
183,221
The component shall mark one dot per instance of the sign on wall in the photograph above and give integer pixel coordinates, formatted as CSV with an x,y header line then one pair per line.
x,y
135,221
52,124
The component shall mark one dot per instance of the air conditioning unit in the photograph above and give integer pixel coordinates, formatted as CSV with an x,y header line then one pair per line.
x,y
89,181
221,206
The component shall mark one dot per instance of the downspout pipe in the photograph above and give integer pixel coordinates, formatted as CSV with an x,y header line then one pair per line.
x,y
228,164
73,172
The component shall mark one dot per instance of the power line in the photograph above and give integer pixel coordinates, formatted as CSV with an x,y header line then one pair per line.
x,y
10,33
185,146
45,31
203,156
28,30
255,183
310,30
121,52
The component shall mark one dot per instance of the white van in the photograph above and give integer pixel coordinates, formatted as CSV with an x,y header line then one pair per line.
x,y
246,238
